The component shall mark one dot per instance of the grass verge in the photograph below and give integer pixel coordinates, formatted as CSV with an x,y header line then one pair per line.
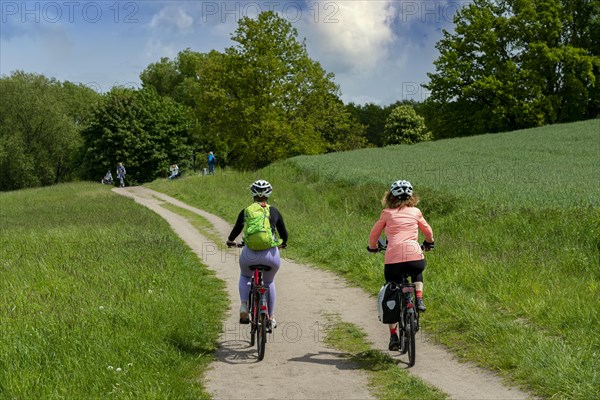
x,y
386,380
100,299
197,221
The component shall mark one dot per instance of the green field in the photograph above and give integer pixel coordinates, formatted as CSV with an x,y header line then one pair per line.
x,y
514,282
99,298
553,166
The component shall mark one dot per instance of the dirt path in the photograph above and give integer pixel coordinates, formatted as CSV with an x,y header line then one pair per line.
x,y
297,364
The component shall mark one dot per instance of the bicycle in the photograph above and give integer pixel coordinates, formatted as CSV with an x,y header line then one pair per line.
x,y
258,308
408,324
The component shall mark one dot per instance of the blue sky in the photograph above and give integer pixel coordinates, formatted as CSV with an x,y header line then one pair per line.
x,y
379,51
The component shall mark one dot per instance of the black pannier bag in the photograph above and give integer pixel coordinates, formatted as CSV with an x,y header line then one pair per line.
x,y
388,303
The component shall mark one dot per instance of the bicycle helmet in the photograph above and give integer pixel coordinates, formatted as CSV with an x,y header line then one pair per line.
x,y
402,189
261,188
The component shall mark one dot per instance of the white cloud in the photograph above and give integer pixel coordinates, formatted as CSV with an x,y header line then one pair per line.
x,y
172,19
352,35
380,51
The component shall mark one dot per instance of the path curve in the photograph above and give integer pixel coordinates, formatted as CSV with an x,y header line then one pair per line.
x,y
297,363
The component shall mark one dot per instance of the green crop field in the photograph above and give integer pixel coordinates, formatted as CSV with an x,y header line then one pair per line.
x,y
554,166
99,298
514,282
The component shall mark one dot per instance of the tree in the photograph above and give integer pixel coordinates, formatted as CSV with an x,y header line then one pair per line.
x,y
373,117
404,126
145,131
264,99
176,78
162,76
40,124
513,64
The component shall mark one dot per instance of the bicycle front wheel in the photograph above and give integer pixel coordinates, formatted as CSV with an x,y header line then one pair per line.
x,y
411,328
261,336
253,315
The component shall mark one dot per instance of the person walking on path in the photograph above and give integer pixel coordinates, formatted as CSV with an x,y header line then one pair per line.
x,y
121,174
212,161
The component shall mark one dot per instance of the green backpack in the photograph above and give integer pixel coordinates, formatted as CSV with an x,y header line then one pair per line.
x,y
258,234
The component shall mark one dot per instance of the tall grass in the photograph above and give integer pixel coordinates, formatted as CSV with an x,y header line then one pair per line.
x,y
99,298
514,283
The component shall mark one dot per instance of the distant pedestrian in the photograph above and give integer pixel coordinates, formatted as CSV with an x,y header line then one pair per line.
x,y
174,171
212,161
108,178
121,174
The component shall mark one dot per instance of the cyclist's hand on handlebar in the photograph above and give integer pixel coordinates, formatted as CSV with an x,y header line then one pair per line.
x,y
231,243
372,251
428,245
282,246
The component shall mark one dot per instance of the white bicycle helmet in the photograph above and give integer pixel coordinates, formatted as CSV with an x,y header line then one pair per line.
x,y
402,189
261,188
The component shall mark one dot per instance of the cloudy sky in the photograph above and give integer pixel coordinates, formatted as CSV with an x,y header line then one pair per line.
x,y
379,51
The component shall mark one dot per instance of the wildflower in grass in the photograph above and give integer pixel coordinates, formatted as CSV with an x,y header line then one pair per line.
x,y
110,368
118,369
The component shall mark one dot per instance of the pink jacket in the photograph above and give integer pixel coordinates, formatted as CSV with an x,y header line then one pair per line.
x,y
402,231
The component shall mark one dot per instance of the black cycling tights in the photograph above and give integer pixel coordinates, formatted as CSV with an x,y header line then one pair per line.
x,y
393,272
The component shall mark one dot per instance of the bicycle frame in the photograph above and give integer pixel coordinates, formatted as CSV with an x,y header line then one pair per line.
x,y
408,305
259,310
262,290
409,320
260,323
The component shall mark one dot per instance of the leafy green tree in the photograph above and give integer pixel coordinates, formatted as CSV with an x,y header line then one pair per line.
x,y
40,124
405,126
514,64
264,99
373,117
176,78
145,131
163,76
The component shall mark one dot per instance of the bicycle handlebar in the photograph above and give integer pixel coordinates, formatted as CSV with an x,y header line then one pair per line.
x,y
382,246
242,244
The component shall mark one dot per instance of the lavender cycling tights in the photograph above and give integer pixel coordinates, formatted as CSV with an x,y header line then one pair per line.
x,y
268,257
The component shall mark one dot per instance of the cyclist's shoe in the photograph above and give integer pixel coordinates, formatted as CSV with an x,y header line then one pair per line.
x,y
272,325
394,342
421,305
244,314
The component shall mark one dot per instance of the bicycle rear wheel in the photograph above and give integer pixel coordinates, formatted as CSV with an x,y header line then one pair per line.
x,y
403,342
411,327
261,336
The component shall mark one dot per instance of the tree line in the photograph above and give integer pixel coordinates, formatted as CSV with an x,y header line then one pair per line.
x,y
507,65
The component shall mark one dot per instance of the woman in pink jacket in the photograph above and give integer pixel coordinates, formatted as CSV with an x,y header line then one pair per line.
x,y
402,220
